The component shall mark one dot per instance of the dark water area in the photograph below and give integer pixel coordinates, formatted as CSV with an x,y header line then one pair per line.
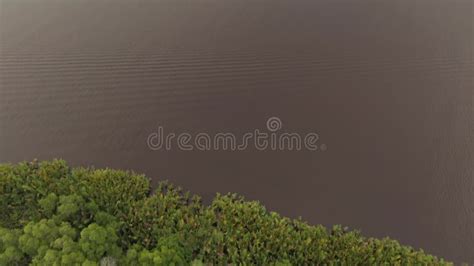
x,y
387,85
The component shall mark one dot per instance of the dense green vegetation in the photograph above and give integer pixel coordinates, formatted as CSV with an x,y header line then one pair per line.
x,y
52,214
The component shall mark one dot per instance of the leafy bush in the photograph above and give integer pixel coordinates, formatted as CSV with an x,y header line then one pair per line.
x,y
23,185
112,190
55,215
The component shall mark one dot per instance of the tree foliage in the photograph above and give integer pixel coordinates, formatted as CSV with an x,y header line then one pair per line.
x,y
56,215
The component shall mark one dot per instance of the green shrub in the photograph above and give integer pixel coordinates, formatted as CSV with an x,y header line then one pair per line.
x,y
23,185
10,253
55,215
168,212
112,190
167,252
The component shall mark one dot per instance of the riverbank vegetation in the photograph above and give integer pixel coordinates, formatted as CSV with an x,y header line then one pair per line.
x,y
52,214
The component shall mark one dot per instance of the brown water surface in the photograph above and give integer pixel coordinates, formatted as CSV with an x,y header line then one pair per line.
x,y
388,86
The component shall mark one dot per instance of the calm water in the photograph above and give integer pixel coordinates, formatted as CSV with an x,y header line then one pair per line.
x,y
388,86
